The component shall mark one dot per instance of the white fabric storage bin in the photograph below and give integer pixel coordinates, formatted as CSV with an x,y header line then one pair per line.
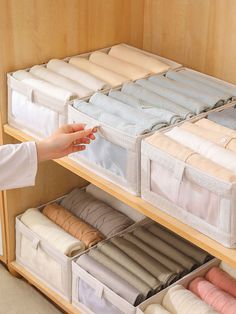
x,y
199,200
46,263
114,155
157,298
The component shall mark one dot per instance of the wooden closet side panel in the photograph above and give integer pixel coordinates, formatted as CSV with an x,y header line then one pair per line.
x,y
199,34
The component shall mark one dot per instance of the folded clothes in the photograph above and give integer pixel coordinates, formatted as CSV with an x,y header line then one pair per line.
x,y
165,116
179,300
219,138
72,224
192,158
183,246
133,56
165,248
155,100
210,81
156,309
96,213
219,300
114,202
191,104
52,77
130,264
49,231
218,96
222,280
228,269
205,98
110,77
212,126
122,272
133,72
163,259
219,155
110,279
44,87
163,274
72,72
225,117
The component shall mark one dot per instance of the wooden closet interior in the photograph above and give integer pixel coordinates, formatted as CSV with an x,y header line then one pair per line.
x,y
198,34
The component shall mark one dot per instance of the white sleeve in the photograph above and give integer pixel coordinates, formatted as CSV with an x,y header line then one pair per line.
x,y
18,165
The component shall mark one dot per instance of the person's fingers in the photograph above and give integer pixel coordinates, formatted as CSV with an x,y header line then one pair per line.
x,y
80,134
78,148
91,136
77,126
81,141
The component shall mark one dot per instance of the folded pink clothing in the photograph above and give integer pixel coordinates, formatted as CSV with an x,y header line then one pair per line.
x,y
219,300
222,280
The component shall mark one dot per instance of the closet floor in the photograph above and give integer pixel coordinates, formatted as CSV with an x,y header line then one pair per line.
x,y
18,297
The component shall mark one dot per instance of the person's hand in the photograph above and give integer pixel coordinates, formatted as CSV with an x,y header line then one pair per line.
x,y
67,139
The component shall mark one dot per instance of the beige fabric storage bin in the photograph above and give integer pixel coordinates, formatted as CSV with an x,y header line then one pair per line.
x,y
157,298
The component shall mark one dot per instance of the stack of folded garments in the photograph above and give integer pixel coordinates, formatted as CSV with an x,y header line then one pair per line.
x,y
81,223
141,262
226,117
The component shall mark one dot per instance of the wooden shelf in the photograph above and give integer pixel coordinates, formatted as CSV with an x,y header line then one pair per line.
x,y
56,298
185,231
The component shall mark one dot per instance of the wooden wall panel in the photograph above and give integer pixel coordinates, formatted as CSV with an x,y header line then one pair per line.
x,y
199,34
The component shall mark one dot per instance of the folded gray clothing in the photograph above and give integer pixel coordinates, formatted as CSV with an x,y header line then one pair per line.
x,y
161,272
222,86
110,279
225,117
123,259
165,116
167,249
112,120
189,103
156,100
183,246
96,213
122,272
218,98
124,111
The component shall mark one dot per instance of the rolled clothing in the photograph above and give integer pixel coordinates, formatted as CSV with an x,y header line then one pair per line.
x,y
192,158
219,300
219,155
219,138
165,248
179,300
207,99
153,65
124,260
96,213
122,272
163,274
72,72
219,97
73,225
165,116
155,100
180,244
163,259
53,234
156,309
110,279
52,77
222,280
44,87
110,77
190,104
212,126
228,269
133,72
114,202
225,117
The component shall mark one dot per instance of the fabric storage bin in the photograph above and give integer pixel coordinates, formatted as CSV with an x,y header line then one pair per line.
x,y
157,298
178,189
42,260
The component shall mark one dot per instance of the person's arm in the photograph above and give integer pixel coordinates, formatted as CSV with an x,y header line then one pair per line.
x,y
19,162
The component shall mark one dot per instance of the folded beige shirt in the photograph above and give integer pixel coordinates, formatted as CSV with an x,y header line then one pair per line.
x,y
187,155
133,56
